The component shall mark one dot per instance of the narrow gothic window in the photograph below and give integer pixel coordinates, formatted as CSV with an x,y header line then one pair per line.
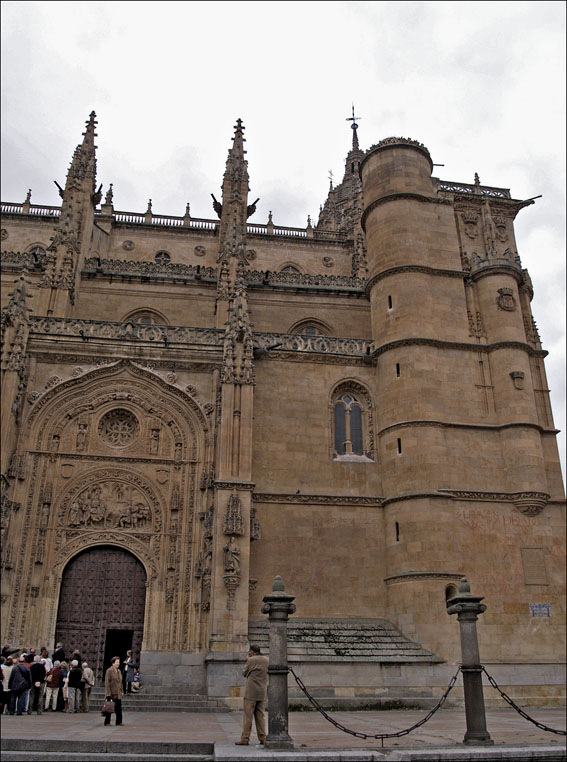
x,y
348,426
389,302
398,373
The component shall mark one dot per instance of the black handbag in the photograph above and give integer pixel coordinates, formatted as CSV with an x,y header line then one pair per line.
x,y
108,707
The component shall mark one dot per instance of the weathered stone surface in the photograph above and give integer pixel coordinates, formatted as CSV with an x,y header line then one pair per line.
x,y
370,392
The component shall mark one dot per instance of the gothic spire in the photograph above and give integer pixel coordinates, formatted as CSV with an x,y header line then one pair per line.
x,y
234,210
83,163
354,126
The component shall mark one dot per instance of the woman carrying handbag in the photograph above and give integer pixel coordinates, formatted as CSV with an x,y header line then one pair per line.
x,y
113,690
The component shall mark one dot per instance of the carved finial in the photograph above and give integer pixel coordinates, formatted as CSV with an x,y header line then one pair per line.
x,y
109,195
330,179
187,209
309,225
28,197
464,586
89,134
270,221
476,179
149,209
278,586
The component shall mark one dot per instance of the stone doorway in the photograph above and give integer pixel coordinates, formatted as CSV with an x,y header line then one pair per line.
x,y
101,606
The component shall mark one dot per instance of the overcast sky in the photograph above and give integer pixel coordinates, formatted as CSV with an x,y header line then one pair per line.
x,y
482,84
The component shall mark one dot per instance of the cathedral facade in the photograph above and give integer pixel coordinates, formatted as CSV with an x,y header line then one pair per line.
x,y
193,406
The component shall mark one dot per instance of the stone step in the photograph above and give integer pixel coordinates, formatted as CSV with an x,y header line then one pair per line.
x,y
151,701
58,750
352,639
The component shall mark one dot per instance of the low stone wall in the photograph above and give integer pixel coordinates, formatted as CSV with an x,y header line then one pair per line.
x,y
174,672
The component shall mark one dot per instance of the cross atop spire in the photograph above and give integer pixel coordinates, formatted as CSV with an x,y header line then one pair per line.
x,y
354,127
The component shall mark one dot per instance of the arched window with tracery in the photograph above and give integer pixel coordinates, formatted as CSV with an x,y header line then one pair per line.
x,y
311,327
352,422
145,317
290,269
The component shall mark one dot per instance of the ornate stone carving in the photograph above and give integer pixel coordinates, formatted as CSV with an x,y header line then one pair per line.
x,y
530,504
176,503
328,262
500,225
233,523
119,427
128,245
232,583
255,530
82,435
517,377
208,523
231,557
110,504
362,500
505,300
199,251
4,234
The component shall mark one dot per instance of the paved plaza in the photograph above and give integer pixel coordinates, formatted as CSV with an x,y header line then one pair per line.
x,y
311,733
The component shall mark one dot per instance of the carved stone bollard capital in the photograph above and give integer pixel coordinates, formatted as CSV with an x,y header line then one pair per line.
x,y
467,607
278,606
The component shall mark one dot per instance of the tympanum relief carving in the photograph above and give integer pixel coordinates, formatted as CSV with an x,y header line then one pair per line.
x,y
112,505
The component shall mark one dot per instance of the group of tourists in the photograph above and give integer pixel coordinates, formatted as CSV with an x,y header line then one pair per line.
x,y
37,682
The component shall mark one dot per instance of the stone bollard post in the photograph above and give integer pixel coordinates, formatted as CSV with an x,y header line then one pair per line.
x,y
467,607
278,606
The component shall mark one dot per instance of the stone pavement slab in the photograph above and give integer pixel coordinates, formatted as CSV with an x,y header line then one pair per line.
x,y
190,736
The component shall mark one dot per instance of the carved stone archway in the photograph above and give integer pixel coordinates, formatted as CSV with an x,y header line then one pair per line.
x,y
102,605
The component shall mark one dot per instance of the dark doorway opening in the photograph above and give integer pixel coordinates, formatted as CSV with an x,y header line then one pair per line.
x,y
116,644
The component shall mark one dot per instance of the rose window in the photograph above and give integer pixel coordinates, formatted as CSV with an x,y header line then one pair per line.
x,y
119,428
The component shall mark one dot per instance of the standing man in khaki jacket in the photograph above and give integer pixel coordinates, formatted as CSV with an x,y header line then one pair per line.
x,y
255,694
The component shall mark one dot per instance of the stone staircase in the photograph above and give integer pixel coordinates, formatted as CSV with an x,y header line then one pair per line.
x,y
159,700
358,640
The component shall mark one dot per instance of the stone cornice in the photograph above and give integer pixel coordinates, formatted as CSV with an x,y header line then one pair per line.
x,y
234,484
501,268
464,425
393,142
460,345
130,459
298,499
503,497
417,576
426,270
528,503
400,197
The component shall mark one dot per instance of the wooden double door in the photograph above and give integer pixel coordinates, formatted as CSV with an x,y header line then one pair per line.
x,y
101,606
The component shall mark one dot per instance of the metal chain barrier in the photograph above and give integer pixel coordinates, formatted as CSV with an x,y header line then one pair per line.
x,y
381,736
520,711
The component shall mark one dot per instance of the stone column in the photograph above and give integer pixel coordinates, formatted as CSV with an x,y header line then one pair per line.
x,y
278,606
467,607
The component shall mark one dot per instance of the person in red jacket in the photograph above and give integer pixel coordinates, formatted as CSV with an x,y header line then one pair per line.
x,y
54,680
